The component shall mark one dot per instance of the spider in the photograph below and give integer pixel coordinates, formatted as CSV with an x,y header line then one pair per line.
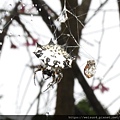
x,y
54,58
50,71
90,68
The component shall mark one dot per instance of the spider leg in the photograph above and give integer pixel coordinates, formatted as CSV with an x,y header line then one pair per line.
x,y
39,69
56,79
59,77
43,75
47,78
34,78
48,86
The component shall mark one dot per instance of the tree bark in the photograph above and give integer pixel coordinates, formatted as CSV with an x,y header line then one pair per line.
x,y
65,90
118,2
12,15
65,100
98,108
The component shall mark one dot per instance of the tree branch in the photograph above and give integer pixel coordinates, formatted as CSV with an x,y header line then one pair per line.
x,y
118,2
23,26
44,12
97,11
9,19
83,9
88,91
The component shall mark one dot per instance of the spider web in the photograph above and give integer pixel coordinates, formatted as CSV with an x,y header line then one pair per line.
x,y
14,37
62,19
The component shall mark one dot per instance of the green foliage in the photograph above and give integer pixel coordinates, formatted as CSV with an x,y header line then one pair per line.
x,y
86,107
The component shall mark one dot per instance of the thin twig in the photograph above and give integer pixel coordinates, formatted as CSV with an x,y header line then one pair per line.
x,y
113,102
8,23
38,97
97,11
100,42
23,97
86,41
111,66
31,105
41,83
97,31
23,26
112,78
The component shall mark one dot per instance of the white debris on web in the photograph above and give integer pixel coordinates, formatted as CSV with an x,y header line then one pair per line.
x,y
63,16
90,68
0,43
1,30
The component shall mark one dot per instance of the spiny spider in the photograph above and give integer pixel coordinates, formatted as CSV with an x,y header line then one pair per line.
x,y
54,58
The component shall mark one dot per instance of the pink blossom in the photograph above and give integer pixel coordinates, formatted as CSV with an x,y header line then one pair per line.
x,y
22,10
13,45
27,44
95,87
34,41
101,87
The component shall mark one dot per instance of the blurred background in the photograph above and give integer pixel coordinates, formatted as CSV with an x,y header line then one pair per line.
x,y
90,31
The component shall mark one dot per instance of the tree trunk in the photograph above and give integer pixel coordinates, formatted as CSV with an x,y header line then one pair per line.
x,y
65,90
65,100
